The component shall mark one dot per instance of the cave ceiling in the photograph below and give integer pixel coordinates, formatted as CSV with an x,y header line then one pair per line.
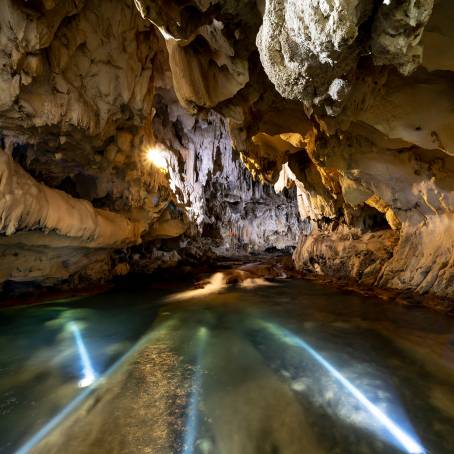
x,y
348,103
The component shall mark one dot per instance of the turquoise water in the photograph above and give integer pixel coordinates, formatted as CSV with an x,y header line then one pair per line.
x,y
40,364
292,367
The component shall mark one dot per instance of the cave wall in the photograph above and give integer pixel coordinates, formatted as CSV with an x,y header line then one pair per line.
x,y
75,91
331,121
86,88
231,210
351,103
383,116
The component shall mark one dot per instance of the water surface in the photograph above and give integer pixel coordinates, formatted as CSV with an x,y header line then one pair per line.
x,y
290,368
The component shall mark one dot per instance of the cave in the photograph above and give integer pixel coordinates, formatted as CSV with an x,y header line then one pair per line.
x,y
226,226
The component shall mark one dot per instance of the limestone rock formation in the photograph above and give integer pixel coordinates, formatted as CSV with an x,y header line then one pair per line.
x,y
345,106
311,50
224,201
78,199
76,88
207,50
28,205
388,148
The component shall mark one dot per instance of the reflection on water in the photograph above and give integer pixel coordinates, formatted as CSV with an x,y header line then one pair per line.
x,y
373,417
88,376
50,351
289,368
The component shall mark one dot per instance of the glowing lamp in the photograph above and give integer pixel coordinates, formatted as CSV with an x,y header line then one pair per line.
x,y
158,158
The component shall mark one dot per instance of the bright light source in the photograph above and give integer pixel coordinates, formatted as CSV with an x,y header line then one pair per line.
x,y
86,381
88,373
409,444
158,158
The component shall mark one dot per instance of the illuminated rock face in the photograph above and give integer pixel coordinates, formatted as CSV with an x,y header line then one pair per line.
x,y
229,209
311,49
346,107
207,50
75,89
26,205
382,109
77,92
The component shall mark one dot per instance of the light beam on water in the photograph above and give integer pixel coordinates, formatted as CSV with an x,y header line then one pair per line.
x,y
193,407
407,442
72,406
88,373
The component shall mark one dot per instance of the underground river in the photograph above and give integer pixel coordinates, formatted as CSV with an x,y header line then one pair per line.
x,y
283,367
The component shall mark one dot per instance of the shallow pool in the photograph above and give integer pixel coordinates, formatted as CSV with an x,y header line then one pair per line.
x,y
292,367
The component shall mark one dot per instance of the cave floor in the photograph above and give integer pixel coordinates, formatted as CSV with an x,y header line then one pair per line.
x,y
292,367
